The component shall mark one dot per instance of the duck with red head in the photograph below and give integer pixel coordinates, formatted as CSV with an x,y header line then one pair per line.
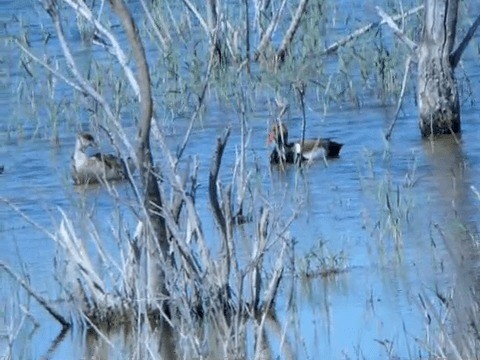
x,y
296,151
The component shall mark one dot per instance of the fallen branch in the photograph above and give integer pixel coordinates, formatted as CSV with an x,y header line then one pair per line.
x,y
396,30
42,301
357,33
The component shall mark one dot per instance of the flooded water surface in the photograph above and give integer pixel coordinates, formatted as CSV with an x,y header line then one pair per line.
x,y
396,221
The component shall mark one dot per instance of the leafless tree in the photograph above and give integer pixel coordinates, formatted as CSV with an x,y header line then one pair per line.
x,y
438,97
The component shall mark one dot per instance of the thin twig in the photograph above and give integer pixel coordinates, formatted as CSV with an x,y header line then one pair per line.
x,y
27,218
201,20
247,34
400,100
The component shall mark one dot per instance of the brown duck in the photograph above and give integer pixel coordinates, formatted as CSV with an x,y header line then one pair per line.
x,y
98,167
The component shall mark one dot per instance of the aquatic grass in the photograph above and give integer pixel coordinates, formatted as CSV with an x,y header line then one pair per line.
x,y
450,312
392,204
319,262
451,322
161,31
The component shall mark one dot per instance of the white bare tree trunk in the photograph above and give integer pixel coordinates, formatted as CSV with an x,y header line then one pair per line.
x,y
437,89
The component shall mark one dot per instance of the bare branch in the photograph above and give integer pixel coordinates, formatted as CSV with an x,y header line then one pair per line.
x,y
399,33
287,39
457,54
257,257
82,9
48,67
195,12
268,33
357,33
400,100
152,201
247,34
52,10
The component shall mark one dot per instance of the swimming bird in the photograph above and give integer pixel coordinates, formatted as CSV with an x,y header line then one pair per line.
x,y
296,151
96,168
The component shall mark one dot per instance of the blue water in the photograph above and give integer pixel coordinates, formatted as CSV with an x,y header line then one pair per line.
x,y
373,304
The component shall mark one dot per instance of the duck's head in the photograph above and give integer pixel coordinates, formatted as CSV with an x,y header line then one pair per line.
x,y
84,140
278,134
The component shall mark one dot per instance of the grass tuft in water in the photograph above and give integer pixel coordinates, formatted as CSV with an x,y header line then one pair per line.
x,y
318,262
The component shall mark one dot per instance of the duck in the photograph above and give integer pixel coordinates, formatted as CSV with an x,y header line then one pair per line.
x,y
89,169
293,152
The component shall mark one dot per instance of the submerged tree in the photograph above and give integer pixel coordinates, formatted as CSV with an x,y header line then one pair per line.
x,y
438,98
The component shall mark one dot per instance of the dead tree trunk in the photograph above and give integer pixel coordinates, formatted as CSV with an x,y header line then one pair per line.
x,y
152,199
437,89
